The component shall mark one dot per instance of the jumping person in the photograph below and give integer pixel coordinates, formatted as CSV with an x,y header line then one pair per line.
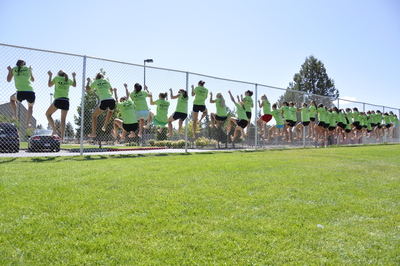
x,y
104,90
266,117
200,93
129,122
180,111
61,100
289,123
22,78
248,103
241,120
221,114
138,96
277,114
161,117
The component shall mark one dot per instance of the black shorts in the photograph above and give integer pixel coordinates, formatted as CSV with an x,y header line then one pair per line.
x,y
388,125
248,115
312,119
199,108
356,123
290,123
242,123
341,125
62,103
305,123
29,96
130,127
326,125
107,103
359,127
364,126
331,128
220,118
179,115
347,130
373,125
321,123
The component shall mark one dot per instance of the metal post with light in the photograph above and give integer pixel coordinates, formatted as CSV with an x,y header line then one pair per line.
x,y
144,70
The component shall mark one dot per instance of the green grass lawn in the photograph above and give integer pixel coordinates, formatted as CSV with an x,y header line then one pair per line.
x,y
221,208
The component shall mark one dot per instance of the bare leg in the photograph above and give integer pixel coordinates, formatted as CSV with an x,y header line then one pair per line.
x,y
149,120
203,115
49,113
180,122
95,114
116,126
141,124
170,119
63,119
108,117
13,104
29,114
212,117
195,116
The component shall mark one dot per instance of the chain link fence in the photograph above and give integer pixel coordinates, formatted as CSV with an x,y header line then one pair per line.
x,y
77,139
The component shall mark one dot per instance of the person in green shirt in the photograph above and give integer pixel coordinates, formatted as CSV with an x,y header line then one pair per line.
x,y
396,124
289,122
323,124
241,121
221,114
305,120
61,101
104,91
313,110
266,117
138,96
22,77
200,94
277,114
161,117
180,111
248,103
129,122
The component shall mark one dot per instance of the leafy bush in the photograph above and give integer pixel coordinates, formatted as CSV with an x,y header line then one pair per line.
x,y
131,144
152,142
201,142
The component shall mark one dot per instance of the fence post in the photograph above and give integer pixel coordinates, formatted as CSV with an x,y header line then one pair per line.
x,y
83,103
187,110
255,119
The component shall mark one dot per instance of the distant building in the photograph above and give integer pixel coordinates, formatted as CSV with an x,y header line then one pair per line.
x,y
5,111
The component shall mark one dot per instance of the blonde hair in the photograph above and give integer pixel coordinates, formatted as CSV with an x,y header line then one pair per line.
x,y
219,95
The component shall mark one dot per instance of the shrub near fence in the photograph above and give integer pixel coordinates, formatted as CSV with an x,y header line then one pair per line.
x,y
157,80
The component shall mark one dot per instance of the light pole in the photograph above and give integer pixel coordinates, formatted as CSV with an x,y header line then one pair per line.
x,y
144,69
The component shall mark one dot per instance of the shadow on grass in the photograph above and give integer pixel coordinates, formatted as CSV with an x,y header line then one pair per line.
x,y
8,161
42,159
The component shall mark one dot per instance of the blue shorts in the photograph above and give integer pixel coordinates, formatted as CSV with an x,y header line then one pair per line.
x,y
144,114
279,126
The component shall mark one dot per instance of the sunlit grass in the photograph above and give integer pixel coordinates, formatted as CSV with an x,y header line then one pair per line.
x,y
259,207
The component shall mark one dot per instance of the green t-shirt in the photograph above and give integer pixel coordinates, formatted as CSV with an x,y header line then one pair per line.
x,y
396,121
162,110
287,114
221,111
305,114
386,118
332,119
182,105
356,116
313,110
363,120
201,95
241,112
61,87
349,117
140,100
321,114
293,110
22,79
378,117
248,103
103,89
127,109
267,107
342,118
277,116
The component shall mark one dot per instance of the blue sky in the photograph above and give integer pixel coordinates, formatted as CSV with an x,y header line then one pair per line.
x,y
264,42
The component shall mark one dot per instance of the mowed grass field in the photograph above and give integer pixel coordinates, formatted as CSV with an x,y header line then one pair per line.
x,y
331,206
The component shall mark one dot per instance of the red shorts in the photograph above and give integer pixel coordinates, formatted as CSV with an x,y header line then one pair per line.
x,y
266,118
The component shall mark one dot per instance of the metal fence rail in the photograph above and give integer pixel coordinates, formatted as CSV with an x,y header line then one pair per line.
x,y
157,80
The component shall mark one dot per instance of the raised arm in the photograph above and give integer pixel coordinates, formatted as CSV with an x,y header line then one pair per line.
x,y
193,94
151,99
50,83
260,104
126,90
146,89
171,94
73,79
211,98
88,84
32,78
10,74
115,94
232,98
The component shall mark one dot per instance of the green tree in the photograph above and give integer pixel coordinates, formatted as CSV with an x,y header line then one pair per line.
x,y
311,83
69,131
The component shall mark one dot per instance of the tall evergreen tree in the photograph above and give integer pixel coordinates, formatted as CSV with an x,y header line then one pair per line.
x,y
312,82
